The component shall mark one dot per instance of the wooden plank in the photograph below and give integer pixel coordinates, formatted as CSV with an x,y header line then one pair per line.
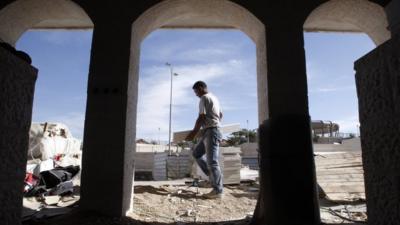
x,y
332,164
342,176
345,196
337,161
160,163
250,158
230,150
350,183
338,166
232,165
343,188
143,170
339,171
181,135
342,181
335,172
328,179
337,156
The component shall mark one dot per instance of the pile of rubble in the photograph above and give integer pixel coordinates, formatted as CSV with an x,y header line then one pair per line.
x,y
53,168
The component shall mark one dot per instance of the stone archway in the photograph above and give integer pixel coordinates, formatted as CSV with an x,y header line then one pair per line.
x,y
372,74
189,14
17,90
350,16
40,14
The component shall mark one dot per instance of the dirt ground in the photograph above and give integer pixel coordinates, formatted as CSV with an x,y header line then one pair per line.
x,y
183,205
178,204
174,204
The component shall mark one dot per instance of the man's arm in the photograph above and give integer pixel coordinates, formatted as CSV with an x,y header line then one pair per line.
x,y
200,121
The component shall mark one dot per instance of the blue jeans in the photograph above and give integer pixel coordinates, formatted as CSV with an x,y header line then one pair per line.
x,y
206,154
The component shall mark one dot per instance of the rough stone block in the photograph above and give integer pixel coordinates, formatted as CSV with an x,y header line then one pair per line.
x,y
17,82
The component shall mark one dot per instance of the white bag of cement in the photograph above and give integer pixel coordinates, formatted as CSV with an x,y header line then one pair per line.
x,y
31,168
49,139
47,148
51,146
68,160
46,165
60,145
73,146
35,136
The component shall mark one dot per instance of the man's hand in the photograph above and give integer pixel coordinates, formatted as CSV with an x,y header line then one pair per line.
x,y
190,136
200,120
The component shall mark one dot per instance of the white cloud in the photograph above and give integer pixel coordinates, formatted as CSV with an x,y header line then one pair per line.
x,y
332,89
348,124
65,37
224,65
190,47
206,54
154,93
312,70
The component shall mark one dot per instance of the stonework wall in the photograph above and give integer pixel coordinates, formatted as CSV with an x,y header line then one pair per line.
x,y
41,14
378,88
350,15
113,88
17,82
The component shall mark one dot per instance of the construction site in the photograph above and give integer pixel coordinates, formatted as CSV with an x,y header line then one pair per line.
x,y
169,184
297,172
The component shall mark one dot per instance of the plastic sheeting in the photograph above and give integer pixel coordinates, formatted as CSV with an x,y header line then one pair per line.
x,y
47,140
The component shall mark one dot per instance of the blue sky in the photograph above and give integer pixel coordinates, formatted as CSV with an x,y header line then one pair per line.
x,y
224,59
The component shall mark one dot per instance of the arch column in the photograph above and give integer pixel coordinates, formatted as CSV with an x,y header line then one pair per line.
x,y
392,12
17,85
288,192
377,80
107,173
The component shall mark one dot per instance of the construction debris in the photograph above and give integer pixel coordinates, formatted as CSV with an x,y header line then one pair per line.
x,y
52,172
182,203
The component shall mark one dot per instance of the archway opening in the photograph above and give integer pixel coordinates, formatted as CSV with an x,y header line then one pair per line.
x,y
193,14
56,134
226,60
52,174
333,101
335,124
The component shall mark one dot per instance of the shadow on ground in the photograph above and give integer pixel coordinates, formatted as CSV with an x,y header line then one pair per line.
x,y
87,218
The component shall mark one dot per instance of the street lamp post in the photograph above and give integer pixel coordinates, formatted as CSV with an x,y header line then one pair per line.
x,y
170,107
248,132
158,138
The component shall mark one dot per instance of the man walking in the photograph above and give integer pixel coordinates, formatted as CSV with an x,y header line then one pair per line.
x,y
206,151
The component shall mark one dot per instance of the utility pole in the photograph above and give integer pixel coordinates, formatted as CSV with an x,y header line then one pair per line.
x,y
248,132
159,136
170,107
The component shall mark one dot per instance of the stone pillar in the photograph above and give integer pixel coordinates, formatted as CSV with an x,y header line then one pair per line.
x,y
393,16
378,85
104,165
17,85
288,193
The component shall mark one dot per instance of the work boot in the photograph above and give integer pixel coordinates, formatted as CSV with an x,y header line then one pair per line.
x,y
204,184
213,195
